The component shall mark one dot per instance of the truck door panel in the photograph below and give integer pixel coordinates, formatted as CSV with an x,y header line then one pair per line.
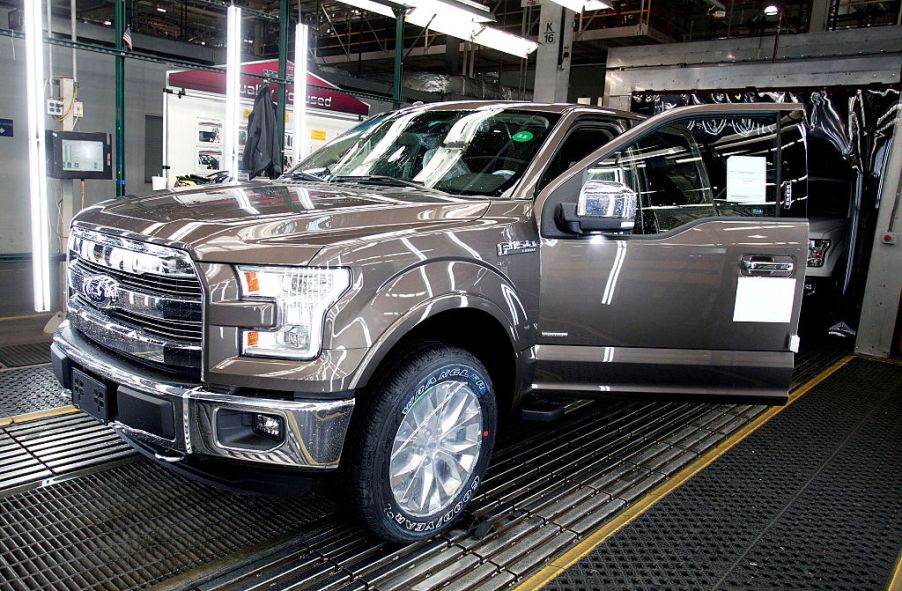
x,y
702,296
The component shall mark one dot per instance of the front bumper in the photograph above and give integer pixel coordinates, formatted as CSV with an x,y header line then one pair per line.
x,y
193,418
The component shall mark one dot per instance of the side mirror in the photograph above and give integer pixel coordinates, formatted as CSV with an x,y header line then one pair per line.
x,y
604,206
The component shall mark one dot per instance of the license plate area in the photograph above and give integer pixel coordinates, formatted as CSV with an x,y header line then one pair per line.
x,y
91,395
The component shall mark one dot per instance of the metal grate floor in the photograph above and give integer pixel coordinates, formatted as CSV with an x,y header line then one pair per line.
x,y
29,389
131,527
35,451
22,355
543,492
809,501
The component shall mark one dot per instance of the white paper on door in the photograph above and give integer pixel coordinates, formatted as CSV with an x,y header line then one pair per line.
x,y
764,299
747,179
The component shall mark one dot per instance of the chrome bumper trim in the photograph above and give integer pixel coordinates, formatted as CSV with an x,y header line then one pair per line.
x,y
315,430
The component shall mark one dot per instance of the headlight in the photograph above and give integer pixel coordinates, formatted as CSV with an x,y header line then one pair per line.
x,y
302,296
817,251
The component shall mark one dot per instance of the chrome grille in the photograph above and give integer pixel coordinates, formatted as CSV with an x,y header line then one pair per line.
x,y
151,284
136,298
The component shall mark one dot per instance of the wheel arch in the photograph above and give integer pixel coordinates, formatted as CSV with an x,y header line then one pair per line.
x,y
468,321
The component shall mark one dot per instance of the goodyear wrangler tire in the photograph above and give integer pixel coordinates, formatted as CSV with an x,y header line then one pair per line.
x,y
424,435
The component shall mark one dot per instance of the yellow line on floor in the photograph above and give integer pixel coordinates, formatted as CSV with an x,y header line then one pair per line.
x,y
25,316
15,367
895,584
41,414
598,537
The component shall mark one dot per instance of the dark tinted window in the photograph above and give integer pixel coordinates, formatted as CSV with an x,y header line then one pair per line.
x,y
581,142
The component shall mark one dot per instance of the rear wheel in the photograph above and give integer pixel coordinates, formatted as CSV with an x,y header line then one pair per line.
x,y
424,435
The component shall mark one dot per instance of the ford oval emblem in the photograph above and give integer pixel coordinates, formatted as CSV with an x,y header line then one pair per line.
x,y
101,290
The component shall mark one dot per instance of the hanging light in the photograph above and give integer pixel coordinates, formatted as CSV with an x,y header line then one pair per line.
x,y
771,10
300,91
37,163
578,6
457,18
233,89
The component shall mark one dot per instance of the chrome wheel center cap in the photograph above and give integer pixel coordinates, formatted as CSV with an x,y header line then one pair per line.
x,y
436,448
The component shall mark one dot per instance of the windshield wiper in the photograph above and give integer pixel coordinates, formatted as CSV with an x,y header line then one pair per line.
x,y
379,179
304,176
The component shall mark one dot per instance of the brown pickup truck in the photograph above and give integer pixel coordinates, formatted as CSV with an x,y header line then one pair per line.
x,y
380,308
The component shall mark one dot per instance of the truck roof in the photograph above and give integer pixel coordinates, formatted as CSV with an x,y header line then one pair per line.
x,y
524,105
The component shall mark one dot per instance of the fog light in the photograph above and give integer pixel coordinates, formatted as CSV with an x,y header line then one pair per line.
x,y
268,426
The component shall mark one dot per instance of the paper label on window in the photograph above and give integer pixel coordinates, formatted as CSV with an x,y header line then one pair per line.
x,y
764,299
747,179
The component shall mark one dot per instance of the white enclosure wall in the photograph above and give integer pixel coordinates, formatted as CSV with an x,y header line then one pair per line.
x,y
190,139
96,89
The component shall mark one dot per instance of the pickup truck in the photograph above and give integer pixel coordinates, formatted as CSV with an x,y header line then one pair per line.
x,y
381,308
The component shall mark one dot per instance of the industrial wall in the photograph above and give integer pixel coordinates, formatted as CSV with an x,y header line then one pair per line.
x,y
96,88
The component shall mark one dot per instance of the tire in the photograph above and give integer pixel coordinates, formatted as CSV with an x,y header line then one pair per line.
x,y
398,425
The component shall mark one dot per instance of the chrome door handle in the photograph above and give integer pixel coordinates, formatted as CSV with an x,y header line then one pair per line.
x,y
760,265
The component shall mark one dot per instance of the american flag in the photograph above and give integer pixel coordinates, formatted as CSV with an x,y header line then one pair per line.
x,y
127,37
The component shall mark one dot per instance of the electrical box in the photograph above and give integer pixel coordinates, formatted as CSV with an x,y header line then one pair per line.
x,y
54,107
79,155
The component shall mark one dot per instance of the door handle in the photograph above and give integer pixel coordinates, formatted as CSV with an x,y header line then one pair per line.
x,y
760,265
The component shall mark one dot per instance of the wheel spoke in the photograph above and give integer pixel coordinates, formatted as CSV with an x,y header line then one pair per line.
x,y
435,448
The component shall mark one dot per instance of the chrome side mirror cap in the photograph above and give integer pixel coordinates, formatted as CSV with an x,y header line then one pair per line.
x,y
610,202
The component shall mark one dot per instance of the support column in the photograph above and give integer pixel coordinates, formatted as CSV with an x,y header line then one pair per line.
x,y
399,54
283,74
880,305
553,54
820,12
452,55
120,99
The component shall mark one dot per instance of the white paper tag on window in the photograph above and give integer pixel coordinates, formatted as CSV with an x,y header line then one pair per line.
x,y
747,179
764,299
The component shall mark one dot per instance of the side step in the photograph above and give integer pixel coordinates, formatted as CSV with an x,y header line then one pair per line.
x,y
549,410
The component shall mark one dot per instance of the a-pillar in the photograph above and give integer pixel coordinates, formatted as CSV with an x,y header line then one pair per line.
x,y
553,54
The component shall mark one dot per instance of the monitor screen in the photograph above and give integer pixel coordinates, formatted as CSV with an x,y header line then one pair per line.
x,y
82,155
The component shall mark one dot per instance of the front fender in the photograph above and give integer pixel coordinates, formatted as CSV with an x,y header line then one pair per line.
x,y
426,290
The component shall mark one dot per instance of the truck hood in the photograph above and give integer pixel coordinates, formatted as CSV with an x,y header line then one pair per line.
x,y
276,223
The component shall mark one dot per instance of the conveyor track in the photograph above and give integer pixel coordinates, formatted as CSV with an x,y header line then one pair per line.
x,y
543,493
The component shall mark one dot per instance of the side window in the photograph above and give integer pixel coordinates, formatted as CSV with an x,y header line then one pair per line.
x,y
581,142
696,168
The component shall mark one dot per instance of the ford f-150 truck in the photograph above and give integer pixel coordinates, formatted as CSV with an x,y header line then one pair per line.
x,y
380,308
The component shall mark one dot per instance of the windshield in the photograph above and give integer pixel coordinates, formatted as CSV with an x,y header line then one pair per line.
x,y
473,152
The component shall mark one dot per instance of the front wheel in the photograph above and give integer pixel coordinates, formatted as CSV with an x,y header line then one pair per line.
x,y
424,434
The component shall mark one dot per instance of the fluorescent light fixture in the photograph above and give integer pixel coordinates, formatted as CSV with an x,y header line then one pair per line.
x,y
37,163
300,91
370,6
457,18
453,9
771,10
596,5
233,88
578,6
503,41
161,9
